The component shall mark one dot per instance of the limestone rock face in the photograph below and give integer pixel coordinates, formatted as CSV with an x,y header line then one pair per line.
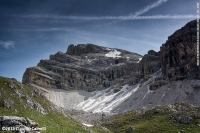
x,y
86,67
149,64
84,49
178,56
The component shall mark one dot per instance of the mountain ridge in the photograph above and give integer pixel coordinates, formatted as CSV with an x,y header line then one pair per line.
x,y
106,79
67,68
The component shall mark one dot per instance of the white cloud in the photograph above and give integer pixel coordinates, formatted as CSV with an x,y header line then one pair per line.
x,y
129,17
149,7
7,44
189,16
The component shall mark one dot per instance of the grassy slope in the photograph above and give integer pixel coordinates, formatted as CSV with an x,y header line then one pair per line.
x,y
152,122
54,121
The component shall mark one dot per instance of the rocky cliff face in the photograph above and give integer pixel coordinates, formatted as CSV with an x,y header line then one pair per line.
x,y
86,67
178,56
149,64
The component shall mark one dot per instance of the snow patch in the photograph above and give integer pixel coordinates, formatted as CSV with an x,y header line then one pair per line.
x,y
139,60
155,75
165,92
88,125
127,58
148,91
111,65
91,60
113,53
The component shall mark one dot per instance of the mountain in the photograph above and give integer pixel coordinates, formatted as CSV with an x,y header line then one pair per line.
x,y
83,67
178,78
179,54
99,79
88,71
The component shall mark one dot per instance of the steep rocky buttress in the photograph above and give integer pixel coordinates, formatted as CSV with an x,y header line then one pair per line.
x,y
179,54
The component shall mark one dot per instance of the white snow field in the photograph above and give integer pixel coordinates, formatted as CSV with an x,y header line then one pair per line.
x,y
113,53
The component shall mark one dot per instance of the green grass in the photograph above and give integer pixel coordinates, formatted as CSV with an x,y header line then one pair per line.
x,y
151,122
54,121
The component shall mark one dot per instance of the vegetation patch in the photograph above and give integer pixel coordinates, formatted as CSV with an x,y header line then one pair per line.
x,y
178,117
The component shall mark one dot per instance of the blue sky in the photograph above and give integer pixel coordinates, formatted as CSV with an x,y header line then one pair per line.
x,y
31,30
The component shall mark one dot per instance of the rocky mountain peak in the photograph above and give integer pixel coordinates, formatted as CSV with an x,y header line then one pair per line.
x,y
84,49
178,55
86,67
152,52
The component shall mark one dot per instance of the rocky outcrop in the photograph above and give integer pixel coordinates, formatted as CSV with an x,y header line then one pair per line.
x,y
178,56
85,66
35,105
18,124
130,130
157,84
84,49
149,64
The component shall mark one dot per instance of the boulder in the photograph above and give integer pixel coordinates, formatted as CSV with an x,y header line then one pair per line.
x,y
185,119
157,84
8,103
35,105
11,85
130,130
18,124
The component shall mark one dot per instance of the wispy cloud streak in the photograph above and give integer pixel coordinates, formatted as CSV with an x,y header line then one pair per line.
x,y
7,44
134,16
129,17
149,7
